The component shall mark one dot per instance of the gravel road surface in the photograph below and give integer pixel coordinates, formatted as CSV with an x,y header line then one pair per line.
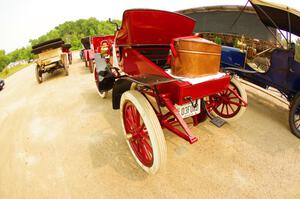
x,y
59,139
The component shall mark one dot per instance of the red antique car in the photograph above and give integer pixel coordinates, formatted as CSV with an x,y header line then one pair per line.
x,y
88,53
102,46
66,48
92,45
150,97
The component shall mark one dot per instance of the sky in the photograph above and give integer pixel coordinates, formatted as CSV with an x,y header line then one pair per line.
x,y
22,20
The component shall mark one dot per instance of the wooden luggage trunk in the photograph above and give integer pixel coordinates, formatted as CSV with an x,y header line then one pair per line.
x,y
195,57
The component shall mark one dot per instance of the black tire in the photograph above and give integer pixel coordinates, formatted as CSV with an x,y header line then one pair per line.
x,y
57,44
66,71
1,85
38,74
294,116
46,43
65,63
81,55
70,60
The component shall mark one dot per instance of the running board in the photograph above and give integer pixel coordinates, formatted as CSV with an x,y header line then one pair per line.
x,y
217,121
264,91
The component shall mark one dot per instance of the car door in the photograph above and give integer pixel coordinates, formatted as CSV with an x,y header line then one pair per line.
x,y
278,72
293,80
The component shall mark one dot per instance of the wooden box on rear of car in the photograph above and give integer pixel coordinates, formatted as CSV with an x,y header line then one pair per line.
x,y
196,57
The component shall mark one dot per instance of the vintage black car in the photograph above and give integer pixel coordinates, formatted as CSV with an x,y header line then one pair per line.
x,y
252,46
276,66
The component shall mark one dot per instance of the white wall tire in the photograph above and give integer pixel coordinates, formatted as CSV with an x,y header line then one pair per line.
x,y
133,100
231,112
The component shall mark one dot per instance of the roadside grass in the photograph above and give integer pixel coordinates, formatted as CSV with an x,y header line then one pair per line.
x,y
8,72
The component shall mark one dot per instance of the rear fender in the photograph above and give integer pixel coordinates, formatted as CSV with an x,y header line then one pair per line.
x,y
120,87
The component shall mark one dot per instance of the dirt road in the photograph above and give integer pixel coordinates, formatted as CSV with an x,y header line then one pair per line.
x,y
59,139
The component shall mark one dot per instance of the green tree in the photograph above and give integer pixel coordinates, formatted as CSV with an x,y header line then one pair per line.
x,y
4,60
70,31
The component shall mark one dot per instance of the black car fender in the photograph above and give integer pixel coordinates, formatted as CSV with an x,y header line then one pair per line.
x,y
120,87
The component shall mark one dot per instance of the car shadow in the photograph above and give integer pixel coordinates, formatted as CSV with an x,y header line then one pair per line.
x,y
60,73
265,125
271,108
109,148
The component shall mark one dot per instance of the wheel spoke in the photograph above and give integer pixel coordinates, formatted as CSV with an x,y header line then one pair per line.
x,y
142,151
227,92
235,103
129,115
129,120
227,109
217,103
140,129
222,108
234,97
135,116
134,145
231,107
128,125
298,126
147,149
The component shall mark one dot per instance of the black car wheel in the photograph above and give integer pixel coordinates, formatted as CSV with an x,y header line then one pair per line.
x,y
294,116
1,84
38,74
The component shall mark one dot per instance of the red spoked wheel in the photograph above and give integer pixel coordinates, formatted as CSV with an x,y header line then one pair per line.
x,y
91,65
138,135
229,104
143,132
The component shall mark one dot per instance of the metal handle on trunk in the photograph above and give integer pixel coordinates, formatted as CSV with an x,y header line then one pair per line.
x,y
189,98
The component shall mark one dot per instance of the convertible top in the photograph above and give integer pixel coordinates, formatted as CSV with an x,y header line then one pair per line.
x,y
86,43
153,27
278,15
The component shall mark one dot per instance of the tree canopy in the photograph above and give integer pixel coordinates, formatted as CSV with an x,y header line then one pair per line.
x,y
70,31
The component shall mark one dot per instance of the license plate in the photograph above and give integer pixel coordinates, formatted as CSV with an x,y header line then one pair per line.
x,y
188,110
